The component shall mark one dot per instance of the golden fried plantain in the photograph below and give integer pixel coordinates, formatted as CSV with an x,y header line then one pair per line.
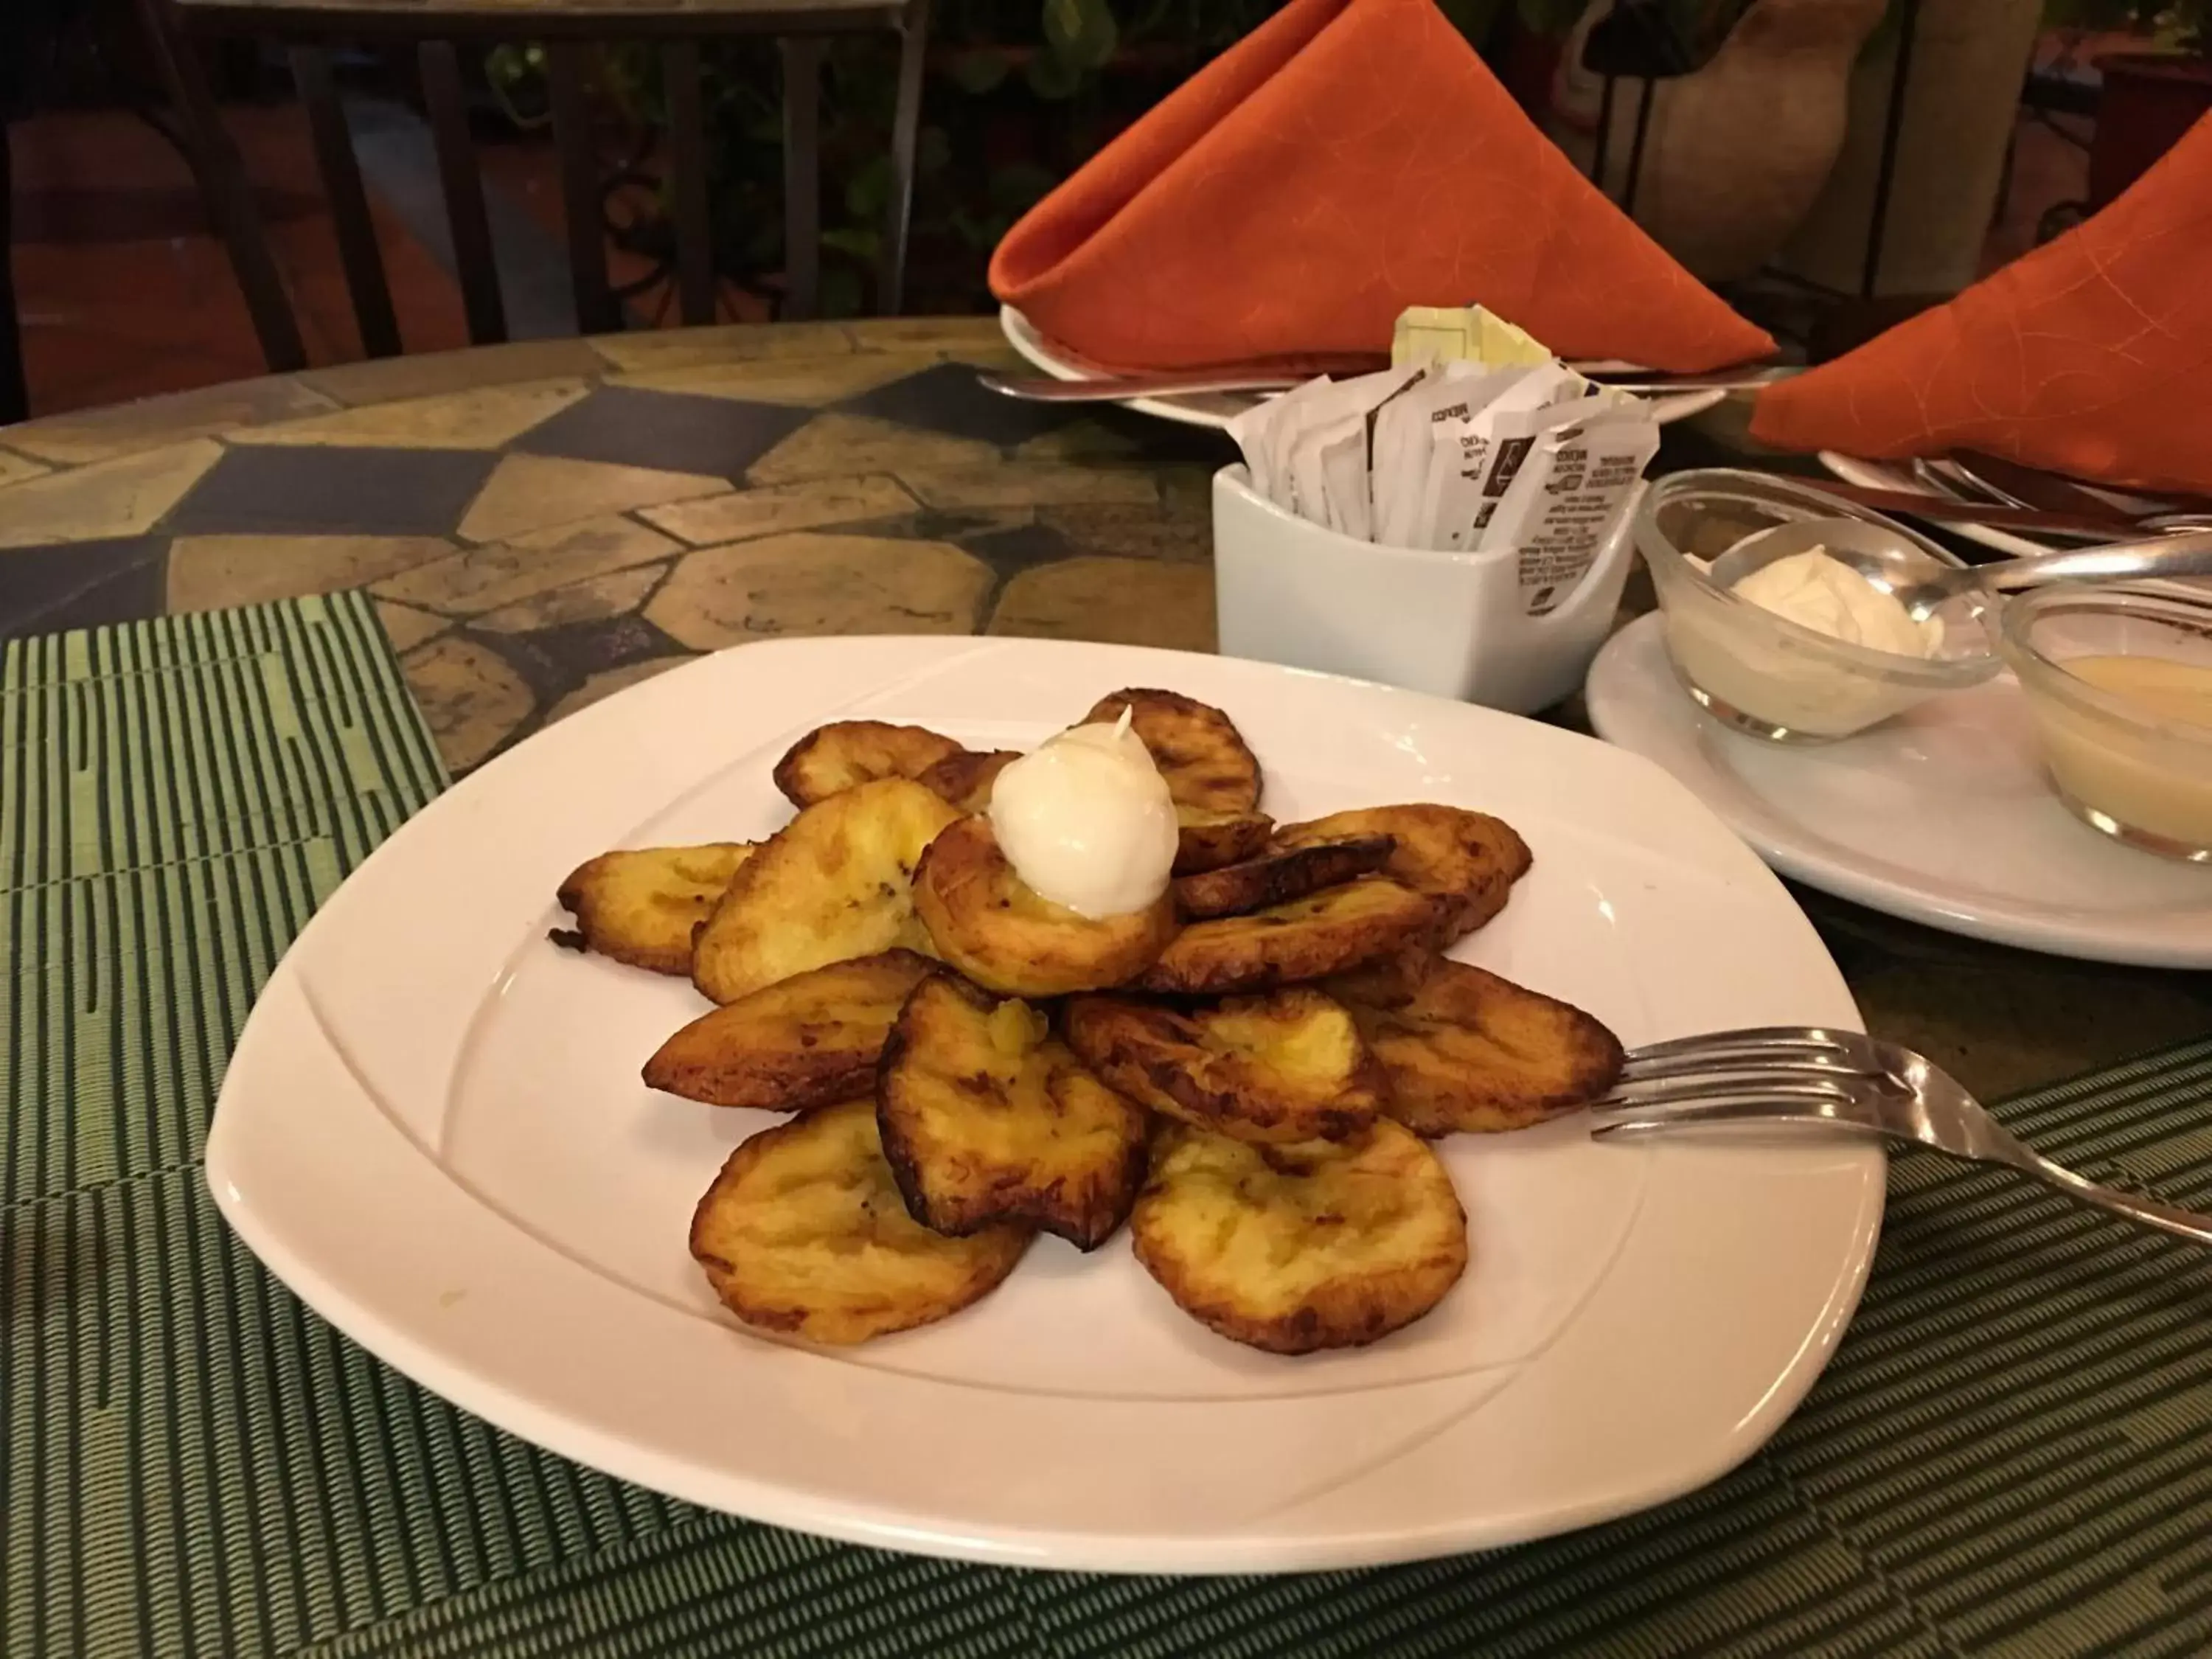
x,y
1197,748
803,1041
1325,932
641,907
991,926
1464,863
803,1232
986,1118
835,883
1278,1069
1206,839
1292,1248
835,757
965,778
1464,1049
1277,878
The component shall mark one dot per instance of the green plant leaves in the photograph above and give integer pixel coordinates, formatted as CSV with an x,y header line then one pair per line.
x,y
862,245
1052,77
1018,186
869,190
1081,33
1552,18
979,71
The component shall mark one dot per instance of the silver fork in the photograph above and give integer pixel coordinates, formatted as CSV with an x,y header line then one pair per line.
x,y
1812,1074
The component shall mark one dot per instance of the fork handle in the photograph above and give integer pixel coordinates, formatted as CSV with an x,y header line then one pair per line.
x,y
2167,1217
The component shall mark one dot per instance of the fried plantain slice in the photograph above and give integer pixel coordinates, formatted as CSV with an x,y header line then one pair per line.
x,y
1465,1050
988,1118
1464,863
1208,840
965,778
1278,1069
1277,878
991,926
1292,1248
1197,748
1308,938
641,907
803,1041
835,757
835,883
803,1232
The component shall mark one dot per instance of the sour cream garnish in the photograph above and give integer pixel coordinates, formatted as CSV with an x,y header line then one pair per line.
x,y
1087,822
1827,596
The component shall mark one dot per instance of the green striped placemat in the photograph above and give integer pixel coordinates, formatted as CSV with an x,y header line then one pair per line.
x,y
2012,1454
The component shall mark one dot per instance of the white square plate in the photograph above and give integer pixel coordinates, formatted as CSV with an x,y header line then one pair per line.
x,y
434,1131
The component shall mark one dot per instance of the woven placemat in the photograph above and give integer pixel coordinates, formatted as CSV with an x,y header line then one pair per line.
x,y
2013,1452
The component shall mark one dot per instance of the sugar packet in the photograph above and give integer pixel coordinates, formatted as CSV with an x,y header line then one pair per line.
x,y
1583,459
1455,454
1474,457
1309,450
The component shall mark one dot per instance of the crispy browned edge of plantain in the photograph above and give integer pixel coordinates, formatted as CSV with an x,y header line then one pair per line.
x,y
1461,914
1280,877
748,877
966,855
1378,935
1390,983
1219,840
805,1081
788,770
965,779
906,1168
990,1273
574,895
1096,1028
1311,1327
1110,707
1459,910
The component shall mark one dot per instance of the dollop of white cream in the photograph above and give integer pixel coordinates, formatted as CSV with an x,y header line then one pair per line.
x,y
1825,594
1087,822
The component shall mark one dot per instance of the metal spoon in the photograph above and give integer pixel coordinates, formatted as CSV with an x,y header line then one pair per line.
x,y
1921,582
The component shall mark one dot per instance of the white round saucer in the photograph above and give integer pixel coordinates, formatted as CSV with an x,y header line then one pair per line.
x,y
1943,816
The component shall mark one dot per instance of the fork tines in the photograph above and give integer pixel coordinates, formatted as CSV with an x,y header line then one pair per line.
x,y
1781,1071
1796,1048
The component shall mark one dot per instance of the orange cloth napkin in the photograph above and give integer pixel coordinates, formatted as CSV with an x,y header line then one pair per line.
x,y
1347,159
2089,356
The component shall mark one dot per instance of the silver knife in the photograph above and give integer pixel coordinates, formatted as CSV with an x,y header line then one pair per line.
x,y
2054,492
1121,388
1945,509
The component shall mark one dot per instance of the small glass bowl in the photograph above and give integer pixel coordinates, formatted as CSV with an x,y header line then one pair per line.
x,y
2135,772
1761,672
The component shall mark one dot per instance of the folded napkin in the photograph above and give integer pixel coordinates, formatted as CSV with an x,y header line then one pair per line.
x,y
2089,356
1347,159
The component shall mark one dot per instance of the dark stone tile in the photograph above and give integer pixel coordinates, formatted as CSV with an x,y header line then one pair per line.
x,y
556,661
310,490
45,590
1169,443
1009,552
673,431
947,398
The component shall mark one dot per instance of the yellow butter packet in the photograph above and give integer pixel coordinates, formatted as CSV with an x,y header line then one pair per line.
x,y
1437,334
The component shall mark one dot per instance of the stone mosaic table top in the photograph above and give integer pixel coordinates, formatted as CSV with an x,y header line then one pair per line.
x,y
544,523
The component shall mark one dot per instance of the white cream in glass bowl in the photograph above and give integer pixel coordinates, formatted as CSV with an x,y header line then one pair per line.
x,y
1797,645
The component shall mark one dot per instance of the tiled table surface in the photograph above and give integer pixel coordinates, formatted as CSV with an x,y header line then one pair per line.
x,y
543,523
